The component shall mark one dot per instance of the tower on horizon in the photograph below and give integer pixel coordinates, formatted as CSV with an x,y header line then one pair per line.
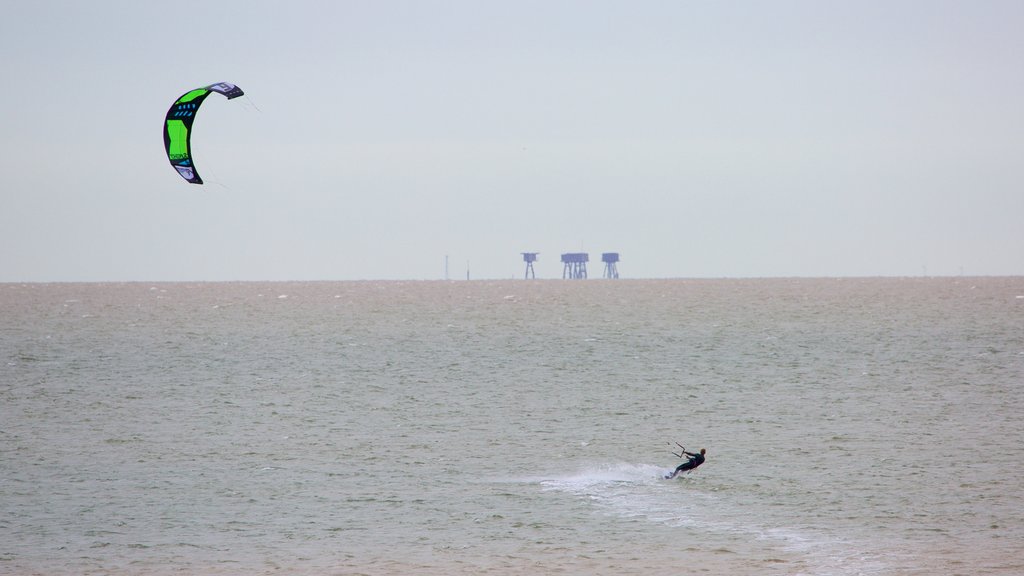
x,y
575,265
610,259
530,258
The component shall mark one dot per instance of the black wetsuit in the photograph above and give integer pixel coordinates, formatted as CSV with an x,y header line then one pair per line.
x,y
694,461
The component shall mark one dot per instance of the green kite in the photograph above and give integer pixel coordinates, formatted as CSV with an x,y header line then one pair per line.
x,y
178,127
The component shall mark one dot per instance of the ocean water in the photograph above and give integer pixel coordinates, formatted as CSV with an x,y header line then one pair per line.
x,y
853,426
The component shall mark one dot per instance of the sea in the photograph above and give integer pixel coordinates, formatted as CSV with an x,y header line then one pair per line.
x,y
853,426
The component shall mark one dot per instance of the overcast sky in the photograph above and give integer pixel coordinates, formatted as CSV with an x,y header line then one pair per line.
x,y
697,138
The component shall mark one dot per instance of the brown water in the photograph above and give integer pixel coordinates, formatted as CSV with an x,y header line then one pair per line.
x,y
853,426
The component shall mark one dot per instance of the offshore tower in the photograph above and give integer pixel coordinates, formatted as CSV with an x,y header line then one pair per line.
x,y
575,265
530,258
610,259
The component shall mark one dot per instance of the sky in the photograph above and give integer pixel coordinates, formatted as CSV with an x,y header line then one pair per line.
x,y
380,140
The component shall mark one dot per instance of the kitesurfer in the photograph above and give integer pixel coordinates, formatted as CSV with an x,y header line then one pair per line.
x,y
692,462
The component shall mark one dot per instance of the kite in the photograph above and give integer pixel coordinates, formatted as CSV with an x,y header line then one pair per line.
x,y
178,127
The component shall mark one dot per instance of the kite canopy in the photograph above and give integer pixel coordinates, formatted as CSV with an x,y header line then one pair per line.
x,y
178,127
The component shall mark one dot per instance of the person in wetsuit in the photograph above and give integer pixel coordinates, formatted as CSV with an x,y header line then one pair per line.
x,y
692,462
